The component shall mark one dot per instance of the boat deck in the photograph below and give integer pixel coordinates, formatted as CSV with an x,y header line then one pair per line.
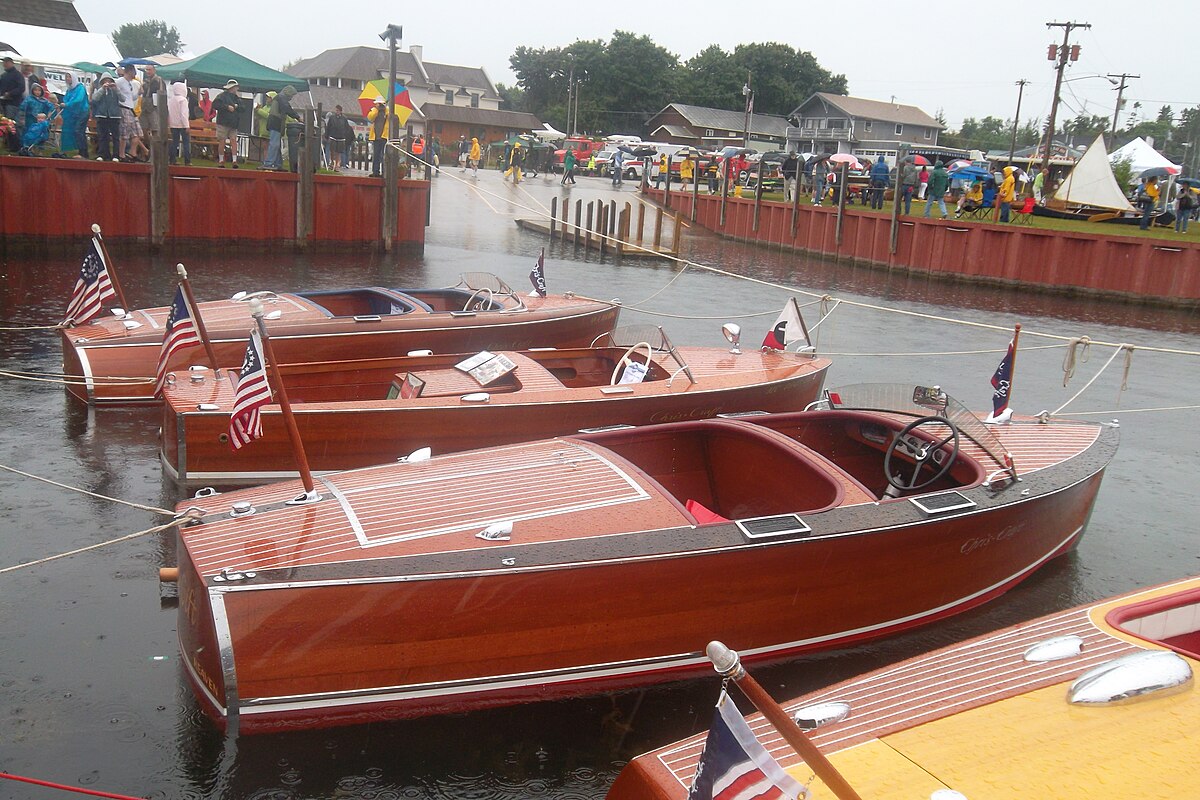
x,y
370,516
927,688
339,386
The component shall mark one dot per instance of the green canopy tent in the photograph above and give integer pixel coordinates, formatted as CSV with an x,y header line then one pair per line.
x,y
215,67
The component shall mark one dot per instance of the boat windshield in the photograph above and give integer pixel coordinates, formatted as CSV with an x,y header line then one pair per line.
x,y
633,335
920,401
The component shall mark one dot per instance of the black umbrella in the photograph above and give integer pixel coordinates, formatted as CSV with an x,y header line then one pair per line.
x,y
1192,182
1159,172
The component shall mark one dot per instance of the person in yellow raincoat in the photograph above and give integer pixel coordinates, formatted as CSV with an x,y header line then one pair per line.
x,y
687,169
516,159
474,156
377,133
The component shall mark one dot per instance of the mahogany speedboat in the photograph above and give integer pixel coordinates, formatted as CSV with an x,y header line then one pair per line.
x,y
1096,701
115,358
607,560
356,413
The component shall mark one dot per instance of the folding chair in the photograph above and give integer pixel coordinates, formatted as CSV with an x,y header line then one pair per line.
x,y
1024,214
982,213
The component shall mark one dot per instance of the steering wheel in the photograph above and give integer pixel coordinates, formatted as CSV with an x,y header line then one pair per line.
x,y
478,294
922,453
627,358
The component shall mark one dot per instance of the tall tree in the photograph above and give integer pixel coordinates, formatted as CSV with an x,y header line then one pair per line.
x,y
783,77
711,78
149,38
630,78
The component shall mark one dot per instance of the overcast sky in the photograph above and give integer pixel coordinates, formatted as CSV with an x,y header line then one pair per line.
x,y
960,57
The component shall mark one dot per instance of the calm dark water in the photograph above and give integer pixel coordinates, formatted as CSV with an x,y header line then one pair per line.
x,y
91,690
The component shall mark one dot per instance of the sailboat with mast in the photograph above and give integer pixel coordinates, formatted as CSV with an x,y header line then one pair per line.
x,y
1090,192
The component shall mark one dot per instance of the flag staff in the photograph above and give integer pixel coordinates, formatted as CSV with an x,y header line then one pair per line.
x,y
195,309
1012,370
256,311
729,665
112,270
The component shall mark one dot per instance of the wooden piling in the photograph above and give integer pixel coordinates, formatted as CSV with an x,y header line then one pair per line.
x,y
658,222
553,216
677,233
587,236
641,221
304,192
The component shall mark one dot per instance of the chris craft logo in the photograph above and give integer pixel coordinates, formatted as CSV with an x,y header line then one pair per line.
x,y
679,416
980,542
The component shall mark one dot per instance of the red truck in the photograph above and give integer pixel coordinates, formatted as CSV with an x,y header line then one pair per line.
x,y
584,149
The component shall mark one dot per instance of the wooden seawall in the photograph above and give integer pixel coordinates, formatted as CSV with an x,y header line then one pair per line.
x,y
46,199
1152,271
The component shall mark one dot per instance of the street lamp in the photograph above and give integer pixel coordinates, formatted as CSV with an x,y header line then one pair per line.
x,y
747,93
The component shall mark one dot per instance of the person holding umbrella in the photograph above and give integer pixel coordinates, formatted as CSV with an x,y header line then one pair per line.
x,y
377,132
1185,204
1148,200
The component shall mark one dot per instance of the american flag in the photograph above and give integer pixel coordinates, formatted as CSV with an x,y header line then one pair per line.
x,y
736,766
252,393
180,334
93,287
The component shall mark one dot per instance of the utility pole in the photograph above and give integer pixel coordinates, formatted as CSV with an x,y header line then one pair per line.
x,y
1012,146
570,92
1063,54
1112,134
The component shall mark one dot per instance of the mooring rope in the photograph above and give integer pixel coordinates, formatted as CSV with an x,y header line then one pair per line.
x,y
181,520
1124,384
138,506
65,788
1126,411
1081,349
945,352
73,380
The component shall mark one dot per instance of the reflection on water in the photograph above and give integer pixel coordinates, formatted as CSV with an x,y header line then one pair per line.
x,y
93,692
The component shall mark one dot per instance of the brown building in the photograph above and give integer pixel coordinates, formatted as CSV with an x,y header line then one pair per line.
x,y
832,123
713,128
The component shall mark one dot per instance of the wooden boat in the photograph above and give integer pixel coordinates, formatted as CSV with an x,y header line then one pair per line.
x,y
607,560
115,359
356,413
1095,701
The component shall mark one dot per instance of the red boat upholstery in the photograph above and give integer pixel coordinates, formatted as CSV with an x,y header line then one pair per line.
x,y
733,469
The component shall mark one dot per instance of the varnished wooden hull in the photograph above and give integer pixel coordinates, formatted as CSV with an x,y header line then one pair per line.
x,y
121,370
515,622
921,725
346,435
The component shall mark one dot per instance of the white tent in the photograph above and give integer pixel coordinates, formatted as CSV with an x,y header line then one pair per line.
x,y
54,46
1141,156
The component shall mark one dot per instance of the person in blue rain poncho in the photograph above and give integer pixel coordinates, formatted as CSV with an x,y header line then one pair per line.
x,y
76,110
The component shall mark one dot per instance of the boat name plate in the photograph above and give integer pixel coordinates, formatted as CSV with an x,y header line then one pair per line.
x,y
775,525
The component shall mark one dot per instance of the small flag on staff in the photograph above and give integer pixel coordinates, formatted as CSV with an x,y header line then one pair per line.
x,y
1002,382
788,328
538,276
92,289
735,765
252,393
180,334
